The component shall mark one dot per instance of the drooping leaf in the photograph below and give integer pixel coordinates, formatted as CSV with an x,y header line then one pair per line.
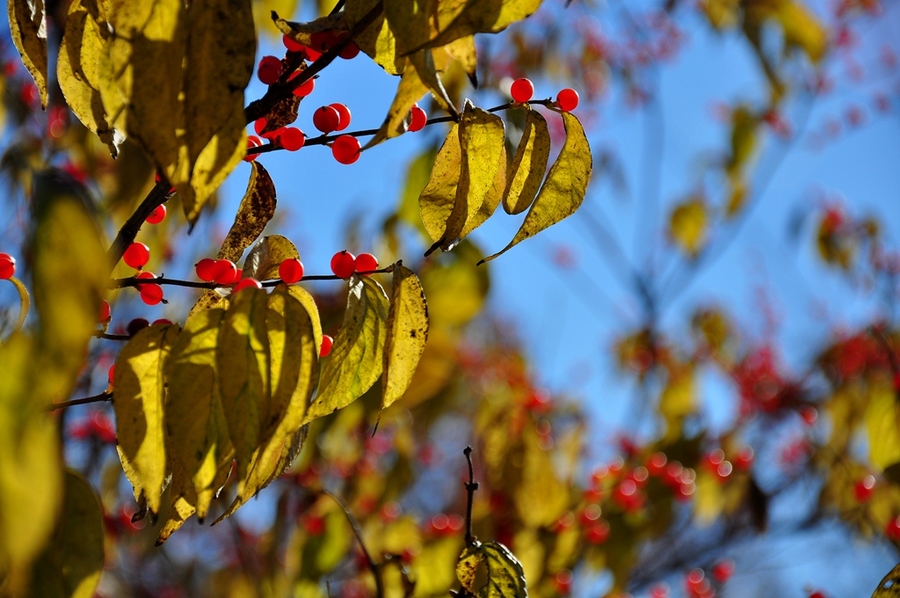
x,y
197,439
409,91
71,565
689,224
802,29
355,361
309,303
256,209
439,195
457,19
377,40
410,23
542,497
889,587
428,70
563,190
464,52
182,71
242,364
263,260
24,303
527,169
482,146
83,67
492,198
407,332
505,575
180,511
28,29
139,388
883,426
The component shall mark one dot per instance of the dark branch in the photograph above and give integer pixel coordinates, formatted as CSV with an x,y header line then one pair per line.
x,y
100,398
373,567
471,487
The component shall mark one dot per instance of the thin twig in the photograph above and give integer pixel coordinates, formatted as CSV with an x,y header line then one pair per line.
x,y
112,337
131,281
471,487
100,398
373,567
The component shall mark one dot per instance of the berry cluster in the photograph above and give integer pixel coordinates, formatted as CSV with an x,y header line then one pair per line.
x,y
344,264
522,90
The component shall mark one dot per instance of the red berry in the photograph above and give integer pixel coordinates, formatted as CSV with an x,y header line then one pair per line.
x,y
291,45
225,272
417,118
291,138
567,99
598,532
290,270
136,325
136,255
345,149
157,215
305,88
817,594
312,54
247,283
563,581
744,459
723,570
521,90
269,69
350,51
7,266
326,119
252,142
206,269
151,294
327,343
105,311
162,322
892,529
111,375
259,125
343,264
343,114
864,488
324,40
366,262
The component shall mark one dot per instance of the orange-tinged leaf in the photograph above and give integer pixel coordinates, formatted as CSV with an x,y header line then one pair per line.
x,y
139,388
564,188
527,169
407,332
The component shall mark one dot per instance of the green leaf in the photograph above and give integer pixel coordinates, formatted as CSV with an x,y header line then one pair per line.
x,y
139,388
563,190
355,361
83,69
889,587
407,325
28,29
439,196
263,260
182,71
71,565
527,169
256,209
242,363
505,576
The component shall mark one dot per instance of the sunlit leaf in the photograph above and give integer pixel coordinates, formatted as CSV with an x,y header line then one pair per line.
x,y
256,209
542,497
407,332
505,576
409,91
689,225
73,562
563,190
457,19
802,29
677,399
28,29
242,364
889,587
438,197
527,169
263,260
24,303
139,388
355,361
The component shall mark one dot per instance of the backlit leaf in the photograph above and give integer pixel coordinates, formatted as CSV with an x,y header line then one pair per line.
x,y
689,224
73,562
883,426
889,586
242,364
28,29
542,497
355,361
802,29
439,196
505,576
139,388
527,169
256,209
563,190
456,19
24,303
263,260
407,326
409,91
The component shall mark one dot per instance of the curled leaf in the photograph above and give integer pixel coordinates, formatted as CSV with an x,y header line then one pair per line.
x,y
256,209
527,169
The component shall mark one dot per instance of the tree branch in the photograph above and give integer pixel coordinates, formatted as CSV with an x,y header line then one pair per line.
x,y
471,487
100,398
157,197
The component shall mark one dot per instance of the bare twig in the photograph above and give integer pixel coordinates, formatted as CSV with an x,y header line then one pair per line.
x,y
373,567
471,487
100,398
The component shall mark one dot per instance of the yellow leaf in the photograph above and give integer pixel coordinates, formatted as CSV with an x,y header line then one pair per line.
x,y
73,562
542,497
139,388
439,195
410,23
83,67
308,302
256,209
355,361
24,304
457,19
424,63
505,575
802,29
527,169
482,147
263,260
407,325
463,51
242,364
563,190
722,14
409,91
708,498
743,140
179,512
678,399
883,426
377,40
491,198
456,289
688,225
889,586
28,29
197,438
182,71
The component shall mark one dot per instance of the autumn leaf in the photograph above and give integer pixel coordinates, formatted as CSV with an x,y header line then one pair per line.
x,y
407,332
140,413
889,587
527,169
802,29
256,209
563,190
688,225
542,497
28,30
409,91
263,260
457,20
24,304
439,196
355,361
882,419
505,575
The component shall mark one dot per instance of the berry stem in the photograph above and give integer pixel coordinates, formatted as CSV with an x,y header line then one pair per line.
x,y
119,283
100,398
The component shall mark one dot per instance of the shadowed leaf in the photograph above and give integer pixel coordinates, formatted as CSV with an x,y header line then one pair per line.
x,y
527,169
407,326
28,29
256,209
